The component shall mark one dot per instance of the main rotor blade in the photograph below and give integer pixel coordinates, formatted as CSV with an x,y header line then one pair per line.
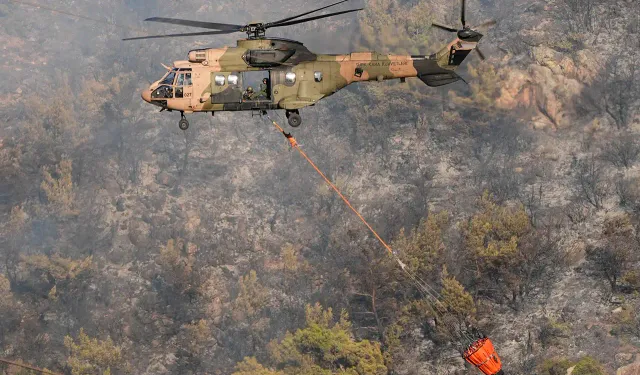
x,y
463,13
312,18
204,25
54,10
304,14
444,27
480,54
187,34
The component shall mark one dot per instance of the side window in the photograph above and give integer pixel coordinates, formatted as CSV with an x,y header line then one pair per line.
x,y
187,79
233,79
179,88
317,76
290,79
358,72
220,80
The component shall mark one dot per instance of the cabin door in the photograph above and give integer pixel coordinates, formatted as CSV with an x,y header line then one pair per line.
x,y
226,88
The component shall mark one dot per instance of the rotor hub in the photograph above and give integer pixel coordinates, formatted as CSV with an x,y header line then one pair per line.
x,y
468,34
255,30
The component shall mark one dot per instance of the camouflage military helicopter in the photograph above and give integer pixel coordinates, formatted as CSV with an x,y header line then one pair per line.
x,y
218,79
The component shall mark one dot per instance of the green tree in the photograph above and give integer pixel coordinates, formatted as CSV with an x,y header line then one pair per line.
x,y
250,366
322,347
493,233
424,247
62,277
457,301
252,298
588,366
615,256
91,356
59,187
177,264
511,257
554,366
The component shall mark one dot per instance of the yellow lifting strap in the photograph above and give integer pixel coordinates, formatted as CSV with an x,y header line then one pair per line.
x,y
294,144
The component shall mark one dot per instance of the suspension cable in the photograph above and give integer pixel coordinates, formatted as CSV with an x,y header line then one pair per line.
x,y
28,367
425,289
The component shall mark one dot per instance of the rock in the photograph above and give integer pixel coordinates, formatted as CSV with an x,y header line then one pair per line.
x,y
545,56
616,300
570,370
624,357
230,271
139,234
588,66
120,204
632,369
112,187
165,179
156,368
515,90
146,218
553,95
181,214
159,221
153,187
158,201
617,311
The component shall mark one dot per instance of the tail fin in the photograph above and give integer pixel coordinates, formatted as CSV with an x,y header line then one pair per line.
x,y
451,56
439,68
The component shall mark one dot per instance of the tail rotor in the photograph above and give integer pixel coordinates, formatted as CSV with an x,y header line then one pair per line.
x,y
466,33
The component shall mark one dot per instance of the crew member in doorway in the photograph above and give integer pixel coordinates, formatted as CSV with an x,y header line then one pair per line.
x,y
264,89
248,94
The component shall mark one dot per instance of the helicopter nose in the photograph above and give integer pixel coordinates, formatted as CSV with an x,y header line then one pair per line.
x,y
146,96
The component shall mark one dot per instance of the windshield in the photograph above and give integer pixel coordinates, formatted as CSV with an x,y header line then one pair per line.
x,y
169,77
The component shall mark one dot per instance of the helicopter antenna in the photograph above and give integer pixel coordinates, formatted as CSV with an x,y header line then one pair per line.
x,y
253,30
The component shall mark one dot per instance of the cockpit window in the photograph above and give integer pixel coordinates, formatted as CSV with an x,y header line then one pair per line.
x,y
162,92
168,79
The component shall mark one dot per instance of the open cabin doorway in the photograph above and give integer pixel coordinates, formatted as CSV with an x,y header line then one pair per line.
x,y
257,86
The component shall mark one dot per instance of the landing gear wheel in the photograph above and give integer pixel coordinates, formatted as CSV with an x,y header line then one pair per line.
x,y
183,124
295,120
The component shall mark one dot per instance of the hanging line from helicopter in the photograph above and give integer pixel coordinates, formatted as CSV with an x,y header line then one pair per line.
x,y
32,368
479,352
425,289
295,145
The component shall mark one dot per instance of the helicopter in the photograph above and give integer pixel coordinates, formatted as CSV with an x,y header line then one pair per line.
x,y
293,77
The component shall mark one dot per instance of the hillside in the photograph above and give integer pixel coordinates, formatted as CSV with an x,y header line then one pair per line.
x,y
132,247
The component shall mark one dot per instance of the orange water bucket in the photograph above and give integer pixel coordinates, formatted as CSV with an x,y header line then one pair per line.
x,y
483,355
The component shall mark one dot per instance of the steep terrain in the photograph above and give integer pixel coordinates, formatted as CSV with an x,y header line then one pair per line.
x,y
157,251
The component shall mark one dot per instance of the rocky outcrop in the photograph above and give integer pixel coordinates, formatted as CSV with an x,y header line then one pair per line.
x,y
632,369
550,86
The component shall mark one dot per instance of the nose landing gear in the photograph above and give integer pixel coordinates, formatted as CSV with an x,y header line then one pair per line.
x,y
294,118
183,124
